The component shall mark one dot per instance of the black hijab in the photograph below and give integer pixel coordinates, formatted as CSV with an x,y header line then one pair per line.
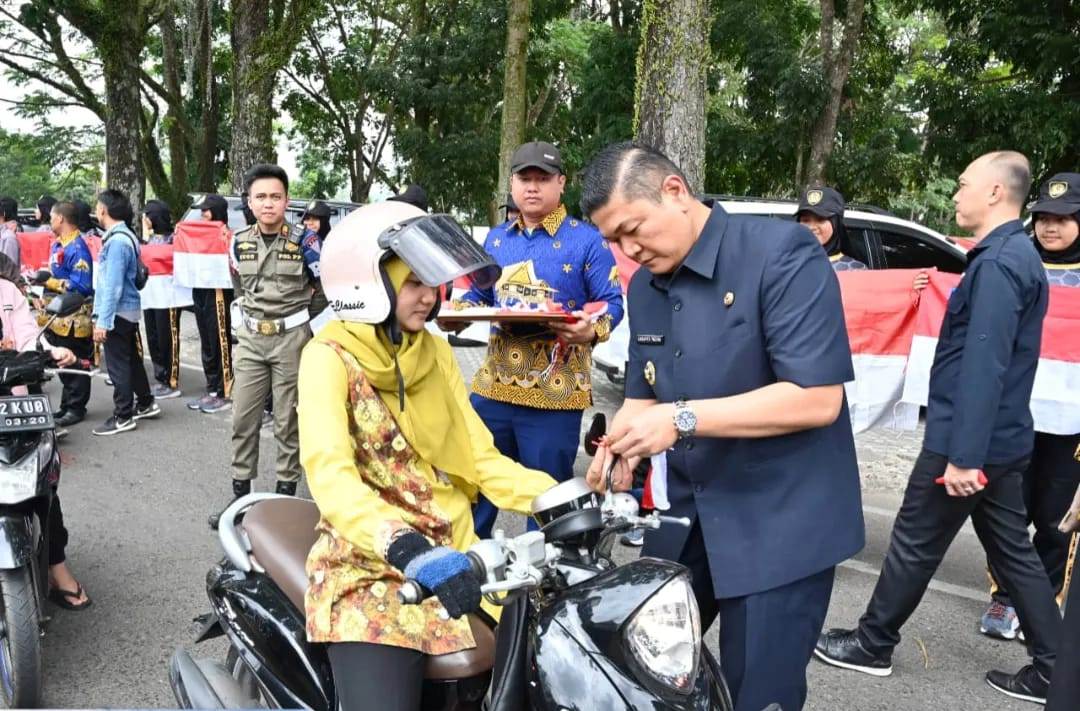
x,y
1070,255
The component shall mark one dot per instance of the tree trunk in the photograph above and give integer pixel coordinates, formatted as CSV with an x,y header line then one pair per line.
x,y
123,134
204,87
171,62
837,65
669,102
253,91
514,100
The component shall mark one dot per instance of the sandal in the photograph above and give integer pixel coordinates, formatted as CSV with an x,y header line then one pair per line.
x,y
63,598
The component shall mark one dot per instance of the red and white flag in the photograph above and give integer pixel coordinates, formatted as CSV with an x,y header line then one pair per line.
x,y
161,290
201,255
1055,397
880,310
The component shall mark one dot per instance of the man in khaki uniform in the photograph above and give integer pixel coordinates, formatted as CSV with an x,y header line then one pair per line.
x,y
276,273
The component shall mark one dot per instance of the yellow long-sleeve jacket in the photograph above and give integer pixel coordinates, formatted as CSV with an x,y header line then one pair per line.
x,y
369,483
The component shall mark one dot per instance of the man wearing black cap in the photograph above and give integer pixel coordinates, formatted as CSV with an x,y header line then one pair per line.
x,y
535,382
821,210
212,308
1054,472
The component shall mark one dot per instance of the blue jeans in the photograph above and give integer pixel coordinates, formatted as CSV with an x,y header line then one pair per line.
x,y
539,439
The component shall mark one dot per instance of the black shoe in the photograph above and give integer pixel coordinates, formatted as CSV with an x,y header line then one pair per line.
x,y
842,648
114,426
58,413
1027,684
288,488
69,418
147,412
240,487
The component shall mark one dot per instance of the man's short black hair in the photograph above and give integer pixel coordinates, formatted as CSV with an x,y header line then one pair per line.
x,y
265,170
68,211
9,209
117,204
633,169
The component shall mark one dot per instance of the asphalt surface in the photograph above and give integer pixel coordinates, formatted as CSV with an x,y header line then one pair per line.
x,y
136,507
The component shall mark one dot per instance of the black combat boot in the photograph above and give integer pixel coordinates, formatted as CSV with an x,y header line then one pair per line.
x,y
288,488
240,487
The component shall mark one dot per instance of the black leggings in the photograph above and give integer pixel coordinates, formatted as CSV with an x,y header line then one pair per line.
x,y
58,535
376,676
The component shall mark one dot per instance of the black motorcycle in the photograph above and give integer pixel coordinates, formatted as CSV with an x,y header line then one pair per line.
x,y
577,631
29,472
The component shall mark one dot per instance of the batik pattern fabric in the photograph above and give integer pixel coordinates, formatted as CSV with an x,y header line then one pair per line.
x,y
565,261
352,595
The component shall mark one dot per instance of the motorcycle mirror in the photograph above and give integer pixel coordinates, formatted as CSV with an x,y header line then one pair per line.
x,y
65,304
596,432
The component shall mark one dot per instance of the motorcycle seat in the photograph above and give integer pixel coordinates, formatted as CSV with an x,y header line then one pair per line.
x,y
282,532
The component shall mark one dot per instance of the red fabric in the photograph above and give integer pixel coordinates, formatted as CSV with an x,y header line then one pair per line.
x,y
201,237
34,248
158,259
93,242
880,309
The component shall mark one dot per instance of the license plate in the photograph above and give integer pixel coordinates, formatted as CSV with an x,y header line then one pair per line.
x,y
25,413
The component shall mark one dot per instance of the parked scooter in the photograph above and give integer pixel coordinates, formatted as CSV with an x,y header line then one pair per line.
x,y
29,472
577,631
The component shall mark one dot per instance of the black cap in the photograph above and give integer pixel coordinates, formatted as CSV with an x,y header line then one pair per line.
x,y
537,154
821,201
316,208
213,202
414,195
1059,196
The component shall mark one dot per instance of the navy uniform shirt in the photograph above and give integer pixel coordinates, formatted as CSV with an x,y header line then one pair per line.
x,y
979,410
755,302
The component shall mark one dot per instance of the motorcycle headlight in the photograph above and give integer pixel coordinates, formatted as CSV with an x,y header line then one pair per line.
x,y
664,635
18,481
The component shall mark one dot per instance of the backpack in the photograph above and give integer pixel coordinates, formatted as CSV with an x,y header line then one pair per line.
x,y
142,272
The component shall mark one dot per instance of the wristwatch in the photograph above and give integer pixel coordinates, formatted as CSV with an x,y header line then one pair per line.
x,y
685,420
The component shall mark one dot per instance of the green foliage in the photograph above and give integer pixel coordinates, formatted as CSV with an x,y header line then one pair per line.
x,y
62,162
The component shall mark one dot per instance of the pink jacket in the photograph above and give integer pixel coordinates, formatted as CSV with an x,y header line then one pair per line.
x,y
19,325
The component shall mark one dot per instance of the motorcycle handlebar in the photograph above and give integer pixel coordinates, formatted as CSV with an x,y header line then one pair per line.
x,y
413,593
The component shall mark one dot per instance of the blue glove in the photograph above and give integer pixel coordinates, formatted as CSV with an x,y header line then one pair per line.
x,y
444,571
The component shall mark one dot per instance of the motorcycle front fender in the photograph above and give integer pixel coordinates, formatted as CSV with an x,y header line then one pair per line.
x,y
18,541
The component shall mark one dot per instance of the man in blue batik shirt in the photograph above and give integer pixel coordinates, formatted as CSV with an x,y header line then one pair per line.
x,y
72,269
535,382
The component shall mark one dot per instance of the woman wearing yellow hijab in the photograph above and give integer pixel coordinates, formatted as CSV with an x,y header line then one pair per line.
x,y
394,456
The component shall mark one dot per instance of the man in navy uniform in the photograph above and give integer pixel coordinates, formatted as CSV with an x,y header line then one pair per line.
x,y
738,356
979,437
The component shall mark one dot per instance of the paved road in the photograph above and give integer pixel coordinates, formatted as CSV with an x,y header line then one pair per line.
x,y
136,506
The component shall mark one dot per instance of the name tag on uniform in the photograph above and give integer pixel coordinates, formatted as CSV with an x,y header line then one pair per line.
x,y
650,339
247,256
290,256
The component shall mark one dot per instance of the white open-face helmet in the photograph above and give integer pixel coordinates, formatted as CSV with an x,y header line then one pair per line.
x,y
435,247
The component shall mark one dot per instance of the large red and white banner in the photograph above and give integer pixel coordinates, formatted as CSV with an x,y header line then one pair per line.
x,y
1055,397
880,310
201,255
161,290
893,334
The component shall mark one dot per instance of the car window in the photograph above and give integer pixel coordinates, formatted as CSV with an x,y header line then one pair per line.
x,y
908,251
856,244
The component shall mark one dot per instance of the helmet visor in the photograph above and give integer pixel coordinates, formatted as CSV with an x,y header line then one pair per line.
x,y
439,250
